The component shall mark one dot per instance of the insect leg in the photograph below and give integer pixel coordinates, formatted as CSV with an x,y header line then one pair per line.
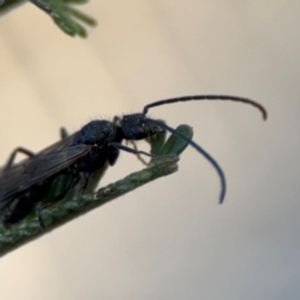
x,y
63,133
14,154
138,155
130,150
86,176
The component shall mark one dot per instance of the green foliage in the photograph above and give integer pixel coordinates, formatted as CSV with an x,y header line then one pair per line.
x,y
62,13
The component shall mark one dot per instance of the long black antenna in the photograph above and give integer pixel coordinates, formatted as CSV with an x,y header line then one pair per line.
x,y
208,97
199,149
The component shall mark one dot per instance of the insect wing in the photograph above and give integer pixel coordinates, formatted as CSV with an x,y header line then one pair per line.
x,y
60,145
47,165
37,169
11,176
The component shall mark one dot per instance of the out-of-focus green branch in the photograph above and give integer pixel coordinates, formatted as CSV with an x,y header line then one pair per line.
x,y
62,12
76,204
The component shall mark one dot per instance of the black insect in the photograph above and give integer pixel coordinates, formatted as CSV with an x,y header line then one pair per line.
x,y
26,183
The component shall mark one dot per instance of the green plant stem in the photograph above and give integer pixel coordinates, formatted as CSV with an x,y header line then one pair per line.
x,y
65,211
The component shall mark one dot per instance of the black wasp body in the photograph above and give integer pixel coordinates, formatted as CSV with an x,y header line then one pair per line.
x,y
80,155
26,183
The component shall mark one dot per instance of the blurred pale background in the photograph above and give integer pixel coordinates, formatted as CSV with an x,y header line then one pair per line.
x,y
169,239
